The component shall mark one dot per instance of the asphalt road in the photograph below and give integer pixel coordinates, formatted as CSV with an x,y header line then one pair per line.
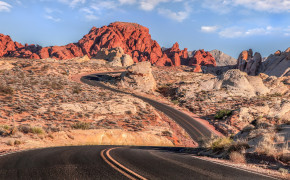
x,y
195,129
87,162
111,162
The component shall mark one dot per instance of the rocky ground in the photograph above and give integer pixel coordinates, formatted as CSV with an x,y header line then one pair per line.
x,y
41,106
251,111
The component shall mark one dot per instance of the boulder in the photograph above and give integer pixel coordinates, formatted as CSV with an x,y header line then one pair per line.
x,y
126,60
139,77
116,62
240,84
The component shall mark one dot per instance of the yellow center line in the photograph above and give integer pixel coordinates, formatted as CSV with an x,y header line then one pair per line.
x,y
120,165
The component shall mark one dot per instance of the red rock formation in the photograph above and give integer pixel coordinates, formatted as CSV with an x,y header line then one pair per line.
x,y
177,55
7,45
133,38
201,58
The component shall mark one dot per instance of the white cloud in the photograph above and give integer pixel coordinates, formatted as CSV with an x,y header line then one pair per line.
x,y
50,14
232,32
52,18
127,1
50,10
235,32
72,3
177,16
149,5
209,29
5,7
91,17
225,6
103,5
265,5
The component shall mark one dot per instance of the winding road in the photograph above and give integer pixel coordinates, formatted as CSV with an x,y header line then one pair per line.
x,y
121,162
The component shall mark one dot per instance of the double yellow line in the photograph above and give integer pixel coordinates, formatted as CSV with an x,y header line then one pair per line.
x,y
105,154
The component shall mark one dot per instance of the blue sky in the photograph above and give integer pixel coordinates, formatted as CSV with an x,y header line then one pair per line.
x,y
228,25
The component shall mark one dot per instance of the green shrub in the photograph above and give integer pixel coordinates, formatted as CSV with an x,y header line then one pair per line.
x,y
223,113
81,125
175,102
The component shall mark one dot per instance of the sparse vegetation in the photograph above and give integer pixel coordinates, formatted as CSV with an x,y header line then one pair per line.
x,y
166,133
237,157
216,143
6,90
222,113
77,90
36,130
81,125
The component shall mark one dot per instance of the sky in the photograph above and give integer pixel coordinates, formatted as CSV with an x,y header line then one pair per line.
x,y
227,25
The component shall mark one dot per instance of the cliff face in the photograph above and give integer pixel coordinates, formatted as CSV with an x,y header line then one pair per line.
x,y
133,38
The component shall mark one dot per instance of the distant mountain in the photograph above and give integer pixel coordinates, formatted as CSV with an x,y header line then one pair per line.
x,y
223,59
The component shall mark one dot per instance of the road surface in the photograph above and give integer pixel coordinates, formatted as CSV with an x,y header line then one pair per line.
x,y
110,162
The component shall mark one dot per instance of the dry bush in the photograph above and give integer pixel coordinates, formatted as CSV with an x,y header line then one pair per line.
x,y
267,147
6,90
239,145
216,143
237,157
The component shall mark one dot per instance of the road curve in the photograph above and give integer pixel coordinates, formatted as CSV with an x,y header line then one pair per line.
x,y
89,162
195,129
112,162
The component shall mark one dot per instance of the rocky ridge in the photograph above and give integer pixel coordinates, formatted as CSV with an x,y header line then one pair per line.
x,y
277,64
133,38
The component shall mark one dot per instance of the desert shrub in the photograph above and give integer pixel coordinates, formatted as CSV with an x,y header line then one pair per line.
x,y
36,130
56,85
175,102
222,113
283,171
238,145
237,157
221,143
77,90
166,133
24,129
81,125
17,142
6,90
216,143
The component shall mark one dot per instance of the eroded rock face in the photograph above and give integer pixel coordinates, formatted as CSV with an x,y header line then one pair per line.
x,y
249,63
202,58
139,77
277,65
